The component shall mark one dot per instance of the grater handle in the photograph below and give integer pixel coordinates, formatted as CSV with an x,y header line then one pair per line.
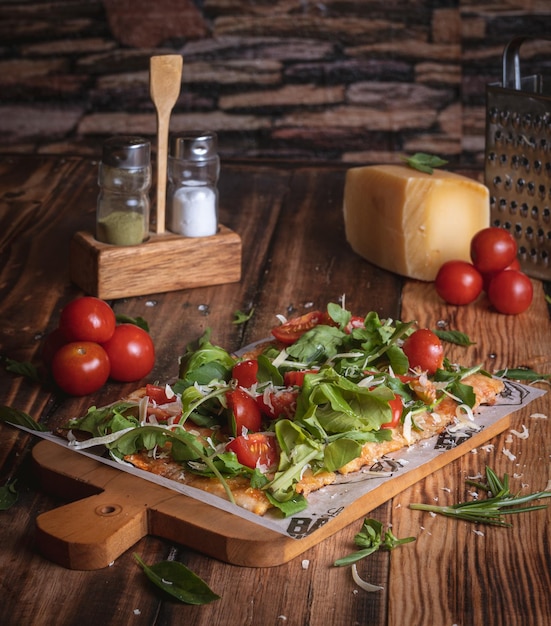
x,y
511,62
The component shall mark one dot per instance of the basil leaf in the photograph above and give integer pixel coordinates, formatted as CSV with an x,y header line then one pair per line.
x,y
454,336
241,318
340,452
137,321
8,496
28,370
522,373
179,581
19,418
424,162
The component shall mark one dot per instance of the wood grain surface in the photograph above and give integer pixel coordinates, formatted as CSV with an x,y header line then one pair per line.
x,y
295,257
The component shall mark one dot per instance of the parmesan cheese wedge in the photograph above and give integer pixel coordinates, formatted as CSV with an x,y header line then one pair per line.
x,y
409,222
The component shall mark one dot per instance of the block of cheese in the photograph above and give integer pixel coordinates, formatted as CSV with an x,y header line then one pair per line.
x,y
409,222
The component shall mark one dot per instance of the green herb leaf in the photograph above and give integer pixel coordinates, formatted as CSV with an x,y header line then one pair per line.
x,y
370,539
28,370
522,373
8,496
179,581
453,336
424,162
137,321
241,318
19,418
488,510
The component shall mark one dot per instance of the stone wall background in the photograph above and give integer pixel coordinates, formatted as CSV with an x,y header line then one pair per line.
x,y
346,80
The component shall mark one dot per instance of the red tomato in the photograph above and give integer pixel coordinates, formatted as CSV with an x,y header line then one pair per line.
x,y
279,403
245,412
245,373
492,249
355,322
510,292
80,367
51,344
157,394
293,329
255,450
396,407
295,378
424,350
87,319
487,278
131,353
458,282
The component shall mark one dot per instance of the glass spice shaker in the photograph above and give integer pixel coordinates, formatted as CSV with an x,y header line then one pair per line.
x,y
124,178
193,170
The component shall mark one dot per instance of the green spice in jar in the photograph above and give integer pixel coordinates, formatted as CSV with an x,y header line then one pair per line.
x,y
121,228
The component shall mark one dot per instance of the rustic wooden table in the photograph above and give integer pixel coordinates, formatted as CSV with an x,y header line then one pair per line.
x,y
294,257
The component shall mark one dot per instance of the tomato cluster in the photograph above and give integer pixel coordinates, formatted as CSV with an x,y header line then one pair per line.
x,y
88,347
494,269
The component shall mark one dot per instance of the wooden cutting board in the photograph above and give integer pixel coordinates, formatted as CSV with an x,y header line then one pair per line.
x,y
114,510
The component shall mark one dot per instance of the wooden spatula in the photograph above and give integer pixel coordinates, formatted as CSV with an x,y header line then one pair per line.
x,y
165,80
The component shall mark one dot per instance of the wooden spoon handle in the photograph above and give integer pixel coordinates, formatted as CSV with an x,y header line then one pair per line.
x,y
165,79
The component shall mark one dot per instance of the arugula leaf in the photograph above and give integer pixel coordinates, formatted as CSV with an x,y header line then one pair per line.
x,y
453,336
137,321
19,418
370,539
241,318
317,345
8,495
522,373
28,370
179,581
424,162
198,361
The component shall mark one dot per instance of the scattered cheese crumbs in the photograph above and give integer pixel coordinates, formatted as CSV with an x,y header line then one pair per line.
x,y
508,439
432,514
406,431
479,533
474,495
305,564
447,489
474,451
137,612
523,435
509,454
282,617
151,303
517,476
435,498
489,447
362,583
540,416
111,564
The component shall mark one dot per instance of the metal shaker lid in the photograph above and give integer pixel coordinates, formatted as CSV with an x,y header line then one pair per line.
x,y
126,152
194,145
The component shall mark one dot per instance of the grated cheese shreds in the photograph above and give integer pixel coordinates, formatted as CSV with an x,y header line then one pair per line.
x,y
521,435
509,454
363,584
540,416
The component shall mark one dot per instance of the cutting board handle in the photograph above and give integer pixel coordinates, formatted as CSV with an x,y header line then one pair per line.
x,y
91,533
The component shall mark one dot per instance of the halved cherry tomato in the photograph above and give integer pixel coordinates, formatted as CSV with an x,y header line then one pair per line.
x,y
424,350
244,412
355,322
295,378
294,328
157,394
279,403
245,373
396,407
255,450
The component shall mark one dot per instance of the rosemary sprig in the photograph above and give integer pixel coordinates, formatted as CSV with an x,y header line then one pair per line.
x,y
492,509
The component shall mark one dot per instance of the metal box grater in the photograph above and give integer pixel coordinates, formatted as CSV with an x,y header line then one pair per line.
x,y
518,161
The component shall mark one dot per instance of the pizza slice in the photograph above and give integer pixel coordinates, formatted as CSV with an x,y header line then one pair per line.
x,y
327,396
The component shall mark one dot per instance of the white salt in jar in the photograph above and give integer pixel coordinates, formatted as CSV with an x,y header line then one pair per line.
x,y
193,170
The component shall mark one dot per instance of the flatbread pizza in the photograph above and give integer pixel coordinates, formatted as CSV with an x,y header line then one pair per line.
x,y
327,395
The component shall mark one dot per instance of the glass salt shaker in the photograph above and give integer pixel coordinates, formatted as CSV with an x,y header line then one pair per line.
x,y
193,170
124,178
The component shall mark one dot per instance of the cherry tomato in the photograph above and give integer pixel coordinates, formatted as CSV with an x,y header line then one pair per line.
x,y
87,319
80,367
294,328
355,322
245,413
458,282
396,407
510,292
295,378
492,249
256,450
131,353
245,373
278,403
424,350
487,277
157,394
